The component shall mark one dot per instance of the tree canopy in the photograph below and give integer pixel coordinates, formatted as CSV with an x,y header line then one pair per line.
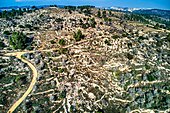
x,y
92,22
18,40
99,14
2,45
62,42
78,36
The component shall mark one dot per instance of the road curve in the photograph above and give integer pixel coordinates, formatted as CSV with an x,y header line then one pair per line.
x,y
35,74
34,71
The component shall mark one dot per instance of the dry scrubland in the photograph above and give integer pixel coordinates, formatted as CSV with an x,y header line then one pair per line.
x,y
115,65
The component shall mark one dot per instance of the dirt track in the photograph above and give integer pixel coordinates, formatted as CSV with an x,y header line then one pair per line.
x,y
35,74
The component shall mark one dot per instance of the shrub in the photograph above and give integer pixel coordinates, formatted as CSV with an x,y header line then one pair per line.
x,y
107,19
6,33
110,13
85,26
60,70
156,26
115,36
100,34
141,38
99,14
63,94
52,42
159,43
129,44
150,77
92,22
28,26
78,36
107,42
2,44
104,14
168,37
129,56
62,42
124,35
101,23
21,26
63,50
147,66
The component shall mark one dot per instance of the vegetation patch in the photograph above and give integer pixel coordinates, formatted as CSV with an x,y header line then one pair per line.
x,y
78,36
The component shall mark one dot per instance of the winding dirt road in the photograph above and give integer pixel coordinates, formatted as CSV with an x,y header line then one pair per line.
x,y
35,74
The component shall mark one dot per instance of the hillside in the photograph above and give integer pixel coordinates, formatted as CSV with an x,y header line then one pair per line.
x,y
87,60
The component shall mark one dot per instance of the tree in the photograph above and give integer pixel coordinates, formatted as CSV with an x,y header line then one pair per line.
x,y
28,10
13,13
168,37
21,26
107,42
115,36
18,40
0,15
20,11
110,13
28,26
129,56
99,14
70,12
70,7
107,19
34,7
4,14
104,14
2,45
6,33
24,9
92,22
156,26
78,36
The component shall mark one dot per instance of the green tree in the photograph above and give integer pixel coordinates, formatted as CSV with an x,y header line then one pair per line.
x,y
18,40
168,37
107,42
28,26
99,14
129,56
4,14
34,8
28,10
62,42
20,12
21,26
110,13
70,12
104,14
78,36
24,9
156,26
2,45
115,36
13,13
0,15
92,22
6,33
